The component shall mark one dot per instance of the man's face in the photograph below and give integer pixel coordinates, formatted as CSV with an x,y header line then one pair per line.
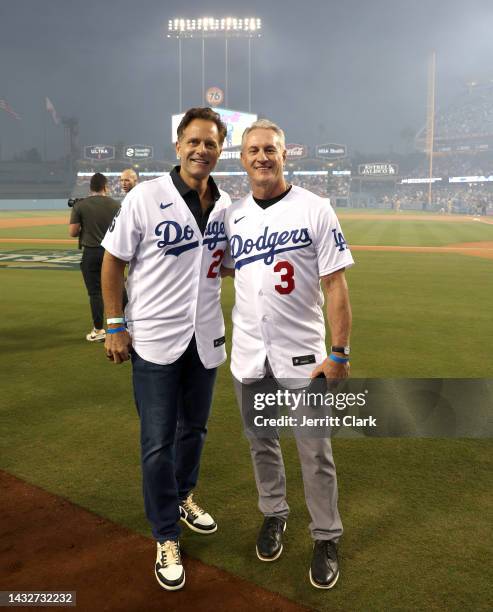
x,y
128,180
263,157
198,149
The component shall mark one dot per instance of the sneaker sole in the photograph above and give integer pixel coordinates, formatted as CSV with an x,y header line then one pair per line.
x,y
278,554
167,587
95,339
323,586
196,529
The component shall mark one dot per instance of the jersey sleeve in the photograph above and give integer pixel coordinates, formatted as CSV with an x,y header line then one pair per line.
x,y
75,214
125,231
330,245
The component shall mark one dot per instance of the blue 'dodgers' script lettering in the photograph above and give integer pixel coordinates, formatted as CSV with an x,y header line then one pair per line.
x,y
173,233
267,246
214,233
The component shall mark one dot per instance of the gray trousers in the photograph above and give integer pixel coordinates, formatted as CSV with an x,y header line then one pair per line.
x,y
318,470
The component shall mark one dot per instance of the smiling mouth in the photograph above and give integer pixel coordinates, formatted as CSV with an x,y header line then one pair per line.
x,y
200,161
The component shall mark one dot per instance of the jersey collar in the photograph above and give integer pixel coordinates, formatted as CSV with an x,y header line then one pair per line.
x,y
184,189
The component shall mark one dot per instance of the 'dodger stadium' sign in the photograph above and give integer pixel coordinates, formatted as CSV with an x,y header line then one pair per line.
x,y
99,152
378,169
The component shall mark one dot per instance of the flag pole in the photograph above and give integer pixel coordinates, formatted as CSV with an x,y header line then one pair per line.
x,y
430,122
45,146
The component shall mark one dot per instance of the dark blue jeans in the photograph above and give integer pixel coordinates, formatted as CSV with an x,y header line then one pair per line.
x,y
173,402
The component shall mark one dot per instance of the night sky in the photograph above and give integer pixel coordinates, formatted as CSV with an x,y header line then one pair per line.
x,y
351,72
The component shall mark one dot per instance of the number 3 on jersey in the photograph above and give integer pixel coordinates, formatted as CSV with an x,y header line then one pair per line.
x,y
287,277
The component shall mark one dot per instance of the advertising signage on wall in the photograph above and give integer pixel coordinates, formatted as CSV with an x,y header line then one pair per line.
x,y
296,151
331,151
99,152
378,169
138,152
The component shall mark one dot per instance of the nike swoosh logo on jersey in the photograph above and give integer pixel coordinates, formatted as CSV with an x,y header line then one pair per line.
x,y
163,206
239,219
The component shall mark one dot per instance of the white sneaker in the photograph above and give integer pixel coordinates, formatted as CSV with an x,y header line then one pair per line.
x,y
96,335
196,518
169,569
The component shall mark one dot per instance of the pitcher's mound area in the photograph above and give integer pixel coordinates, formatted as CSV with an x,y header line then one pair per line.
x,y
48,543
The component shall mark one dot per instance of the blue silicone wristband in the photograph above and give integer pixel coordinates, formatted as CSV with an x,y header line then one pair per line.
x,y
115,330
338,359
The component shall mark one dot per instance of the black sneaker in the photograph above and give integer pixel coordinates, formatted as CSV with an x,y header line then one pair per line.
x,y
269,541
169,569
324,570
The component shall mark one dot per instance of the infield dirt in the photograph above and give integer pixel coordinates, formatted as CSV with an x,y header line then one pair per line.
x,y
48,543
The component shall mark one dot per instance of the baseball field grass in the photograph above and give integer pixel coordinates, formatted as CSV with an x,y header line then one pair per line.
x,y
417,513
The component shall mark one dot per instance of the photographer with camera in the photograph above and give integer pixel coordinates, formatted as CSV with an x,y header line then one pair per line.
x,y
89,221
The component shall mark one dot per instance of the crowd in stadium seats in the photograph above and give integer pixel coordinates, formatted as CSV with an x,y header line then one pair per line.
x,y
317,184
339,186
473,199
236,186
467,164
470,115
466,199
115,190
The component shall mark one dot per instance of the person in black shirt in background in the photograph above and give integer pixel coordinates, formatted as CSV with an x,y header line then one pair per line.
x,y
89,220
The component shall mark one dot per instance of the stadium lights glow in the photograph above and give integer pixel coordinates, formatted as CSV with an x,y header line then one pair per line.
x,y
248,26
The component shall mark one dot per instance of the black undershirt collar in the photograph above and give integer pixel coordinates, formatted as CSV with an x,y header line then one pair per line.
x,y
266,203
192,199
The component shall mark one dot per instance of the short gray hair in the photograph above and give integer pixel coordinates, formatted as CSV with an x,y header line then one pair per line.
x,y
264,124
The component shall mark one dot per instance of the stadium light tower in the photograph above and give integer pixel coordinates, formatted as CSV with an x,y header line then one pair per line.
x,y
430,121
211,27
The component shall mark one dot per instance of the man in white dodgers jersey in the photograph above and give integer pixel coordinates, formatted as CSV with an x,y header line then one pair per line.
x,y
171,232
283,242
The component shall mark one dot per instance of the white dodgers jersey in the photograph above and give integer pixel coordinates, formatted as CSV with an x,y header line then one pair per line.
x,y
279,255
174,279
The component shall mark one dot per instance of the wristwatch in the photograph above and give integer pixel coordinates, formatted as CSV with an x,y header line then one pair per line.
x,y
341,349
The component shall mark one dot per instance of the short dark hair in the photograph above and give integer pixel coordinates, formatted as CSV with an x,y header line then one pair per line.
x,y
202,112
98,182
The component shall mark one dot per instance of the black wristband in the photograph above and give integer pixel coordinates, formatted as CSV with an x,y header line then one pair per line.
x,y
345,350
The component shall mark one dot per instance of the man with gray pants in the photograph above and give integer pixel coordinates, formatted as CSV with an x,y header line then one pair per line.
x,y
285,241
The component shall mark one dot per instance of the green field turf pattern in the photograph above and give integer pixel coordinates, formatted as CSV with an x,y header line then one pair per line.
x,y
8,247
30,214
413,233
357,232
37,231
415,511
